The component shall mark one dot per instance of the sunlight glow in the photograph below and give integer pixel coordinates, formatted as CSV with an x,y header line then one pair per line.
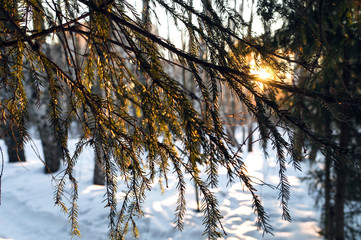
x,y
264,74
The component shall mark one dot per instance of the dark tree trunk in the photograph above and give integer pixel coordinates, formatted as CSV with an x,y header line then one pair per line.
x,y
13,142
99,176
299,144
341,180
250,137
329,215
39,117
51,150
341,169
52,153
328,208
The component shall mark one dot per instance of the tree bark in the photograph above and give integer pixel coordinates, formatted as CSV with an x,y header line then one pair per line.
x,y
299,136
342,173
99,175
341,181
52,154
329,216
250,136
13,142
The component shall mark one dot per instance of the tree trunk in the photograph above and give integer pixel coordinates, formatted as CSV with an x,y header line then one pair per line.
x,y
299,144
341,181
329,215
249,32
13,142
250,137
52,153
243,134
341,171
197,196
99,175
51,150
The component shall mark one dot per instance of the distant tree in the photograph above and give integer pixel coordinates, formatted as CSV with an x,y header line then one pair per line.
x,y
14,64
327,33
139,118
10,132
40,97
13,142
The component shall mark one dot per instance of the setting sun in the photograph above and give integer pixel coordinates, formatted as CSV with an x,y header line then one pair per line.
x,y
264,74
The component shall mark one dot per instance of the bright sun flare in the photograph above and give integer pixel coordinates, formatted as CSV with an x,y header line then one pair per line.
x,y
264,74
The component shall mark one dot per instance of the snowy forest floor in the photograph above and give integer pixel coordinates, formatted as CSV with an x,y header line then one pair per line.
x,y
27,210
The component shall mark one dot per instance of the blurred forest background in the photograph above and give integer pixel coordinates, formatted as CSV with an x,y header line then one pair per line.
x,y
117,77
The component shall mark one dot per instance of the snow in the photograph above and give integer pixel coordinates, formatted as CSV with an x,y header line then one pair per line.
x,y
27,210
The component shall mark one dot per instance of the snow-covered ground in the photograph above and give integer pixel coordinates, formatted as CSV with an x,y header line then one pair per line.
x,y
27,210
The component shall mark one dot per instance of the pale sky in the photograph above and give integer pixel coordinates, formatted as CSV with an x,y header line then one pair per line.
x,y
175,34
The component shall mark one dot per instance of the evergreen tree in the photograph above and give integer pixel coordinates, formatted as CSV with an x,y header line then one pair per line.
x,y
137,117
326,32
10,133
